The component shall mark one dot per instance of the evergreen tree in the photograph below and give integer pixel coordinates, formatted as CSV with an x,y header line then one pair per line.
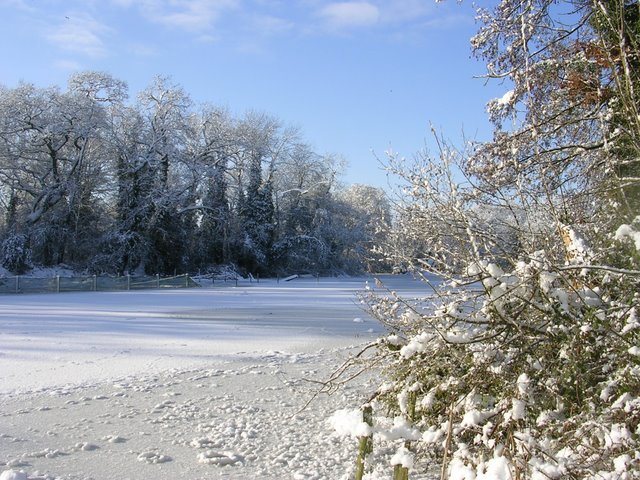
x,y
214,226
256,211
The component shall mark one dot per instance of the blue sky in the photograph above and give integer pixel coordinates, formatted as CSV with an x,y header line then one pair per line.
x,y
358,77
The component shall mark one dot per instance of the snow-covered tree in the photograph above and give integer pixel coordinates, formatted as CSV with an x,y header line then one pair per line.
x,y
258,133
156,185
304,182
166,108
213,149
50,144
124,247
368,223
524,363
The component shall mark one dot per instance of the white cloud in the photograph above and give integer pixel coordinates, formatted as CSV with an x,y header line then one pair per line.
x,y
405,10
269,25
350,14
191,15
122,3
80,33
207,38
142,50
449,21
19,4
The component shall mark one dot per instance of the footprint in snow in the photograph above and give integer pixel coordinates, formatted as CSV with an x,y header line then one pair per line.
x,y
206,442
165,404
84,447
211,457
46,453
153,457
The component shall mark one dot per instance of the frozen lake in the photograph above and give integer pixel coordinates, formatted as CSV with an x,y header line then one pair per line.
x,y
157,383
86,337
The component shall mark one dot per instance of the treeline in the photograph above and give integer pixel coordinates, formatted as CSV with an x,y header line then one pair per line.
x,y
161,185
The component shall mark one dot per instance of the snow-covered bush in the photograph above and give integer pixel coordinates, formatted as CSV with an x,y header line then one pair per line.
x,y
524,363
16,255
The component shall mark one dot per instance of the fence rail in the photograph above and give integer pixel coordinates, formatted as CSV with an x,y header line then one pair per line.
x,y
92,283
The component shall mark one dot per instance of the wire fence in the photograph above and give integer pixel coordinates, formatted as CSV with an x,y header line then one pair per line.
x,y
92,283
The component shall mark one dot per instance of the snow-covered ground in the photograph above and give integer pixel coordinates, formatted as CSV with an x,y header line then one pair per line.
x,y
163,384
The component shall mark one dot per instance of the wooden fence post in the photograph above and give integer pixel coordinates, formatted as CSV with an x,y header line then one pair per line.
x,y
366,442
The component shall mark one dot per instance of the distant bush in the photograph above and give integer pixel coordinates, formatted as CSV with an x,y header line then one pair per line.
x,y
16,255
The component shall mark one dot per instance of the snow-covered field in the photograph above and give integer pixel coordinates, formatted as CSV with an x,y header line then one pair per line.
x,y
194,384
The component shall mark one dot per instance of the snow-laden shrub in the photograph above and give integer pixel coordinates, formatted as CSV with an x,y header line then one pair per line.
x,y
16,254
524,363
536,374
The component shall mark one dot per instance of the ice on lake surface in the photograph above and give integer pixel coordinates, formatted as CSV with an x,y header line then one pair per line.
x,y
199,383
